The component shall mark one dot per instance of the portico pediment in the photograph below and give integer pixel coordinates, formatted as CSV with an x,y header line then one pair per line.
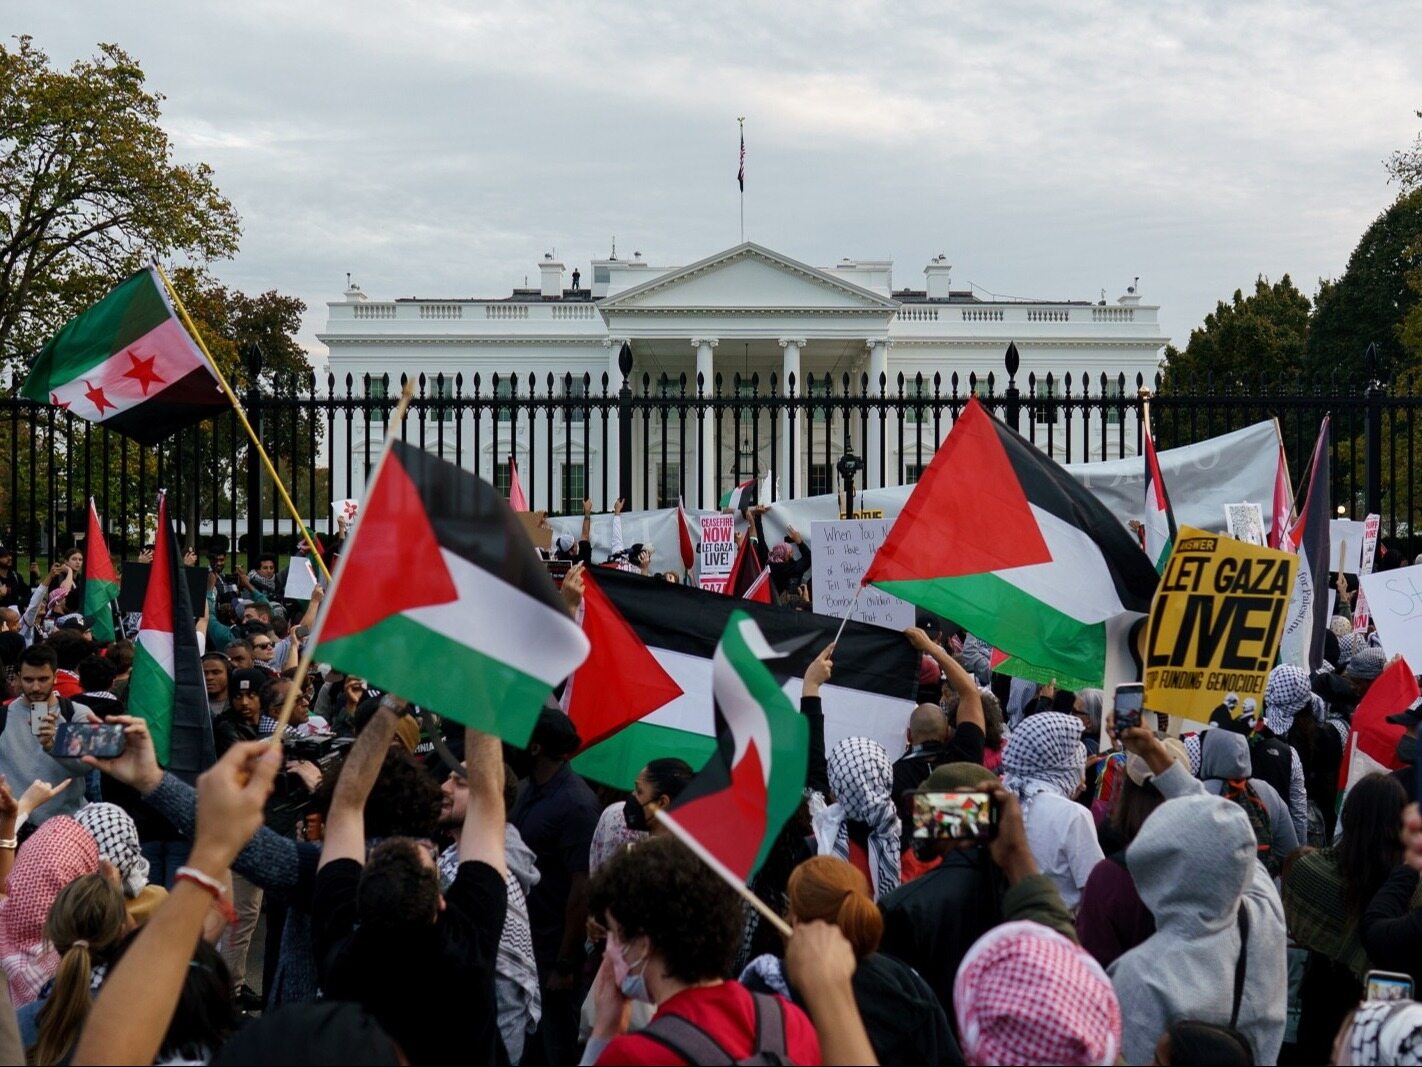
x,y
748,278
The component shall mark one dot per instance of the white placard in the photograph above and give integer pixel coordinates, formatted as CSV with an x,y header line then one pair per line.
x,y
1345,533
1370,551
1395,601
345,509
840,553
1245,522
300,579
718,551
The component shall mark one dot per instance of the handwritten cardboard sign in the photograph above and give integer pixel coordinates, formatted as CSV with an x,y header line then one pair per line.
x,y
1395,602
840,554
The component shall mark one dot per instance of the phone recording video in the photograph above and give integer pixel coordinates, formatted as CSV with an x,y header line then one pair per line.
x,y
954,816
1127,707
103,740
1387,985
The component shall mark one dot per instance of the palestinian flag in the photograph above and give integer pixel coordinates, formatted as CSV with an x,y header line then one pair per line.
x,y
517,500
1282,508
1372,741
747,495
101,586
731,813
128,364
1159,518
759,590
683,537
1307,619
440,597
166,687
664,636
1003,541
749,561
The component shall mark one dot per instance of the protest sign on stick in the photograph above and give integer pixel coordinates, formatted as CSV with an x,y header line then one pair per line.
x,y
346,509
840,554
1371,526
718,550
1216,623
1395,602
300,579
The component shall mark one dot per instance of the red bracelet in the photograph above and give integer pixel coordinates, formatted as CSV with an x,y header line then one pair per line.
x,y
212,888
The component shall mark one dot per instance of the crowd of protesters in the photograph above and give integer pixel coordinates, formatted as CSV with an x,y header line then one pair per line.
x,y
425,894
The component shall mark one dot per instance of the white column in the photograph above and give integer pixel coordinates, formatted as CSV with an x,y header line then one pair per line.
x,y
706,445
878,383
594,478
791,486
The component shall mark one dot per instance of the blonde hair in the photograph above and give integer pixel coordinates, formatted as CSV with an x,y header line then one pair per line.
x,y
829,889
87,921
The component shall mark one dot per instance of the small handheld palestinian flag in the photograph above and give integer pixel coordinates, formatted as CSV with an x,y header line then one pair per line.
x,y
683,537
731,813
441,598
166,687
128,364
1159,518
100,580
1021,554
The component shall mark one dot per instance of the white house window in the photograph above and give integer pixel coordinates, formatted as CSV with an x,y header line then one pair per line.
x,y
574,487
1045,389
504,390
575,390
668,483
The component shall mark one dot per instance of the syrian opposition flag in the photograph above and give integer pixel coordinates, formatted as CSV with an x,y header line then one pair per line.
x,y
101,586
1020,554
1307,619
1159,518
166,687
646,686
683,537
517,500
440,598
1372,741
128,364
731,813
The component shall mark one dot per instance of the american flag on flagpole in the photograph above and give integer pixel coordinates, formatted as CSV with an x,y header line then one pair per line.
x,y
741,173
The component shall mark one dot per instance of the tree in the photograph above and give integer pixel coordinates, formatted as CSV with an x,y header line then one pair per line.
x,y
1260,334
1371,301
1405,165
88,190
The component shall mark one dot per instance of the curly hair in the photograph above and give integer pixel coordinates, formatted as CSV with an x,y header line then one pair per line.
x,y
404,802
661,890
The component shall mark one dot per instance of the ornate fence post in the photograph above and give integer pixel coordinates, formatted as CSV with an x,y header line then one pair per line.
x,y
1373,432
1012,396
253,402
624,425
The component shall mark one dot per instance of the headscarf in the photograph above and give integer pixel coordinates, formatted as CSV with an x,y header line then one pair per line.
x,y
564,543
57,853
780,554
1341,626
116,835
862,779
1045,755
1020,695
1366,664
1287,693
1386,1031
1091,701
1025,994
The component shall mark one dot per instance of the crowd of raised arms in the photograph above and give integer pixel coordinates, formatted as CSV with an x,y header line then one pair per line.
x,y
379,885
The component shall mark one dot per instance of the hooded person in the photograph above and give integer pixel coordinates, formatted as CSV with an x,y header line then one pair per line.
x,y
1381,1032
1217,955
1273,759
116,834
862,825
1026,994
1226,771
1045,765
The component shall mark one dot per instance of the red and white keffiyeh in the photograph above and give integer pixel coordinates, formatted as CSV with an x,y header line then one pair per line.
x,y
1025,994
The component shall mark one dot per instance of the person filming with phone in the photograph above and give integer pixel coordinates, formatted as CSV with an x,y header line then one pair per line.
x,y
28,730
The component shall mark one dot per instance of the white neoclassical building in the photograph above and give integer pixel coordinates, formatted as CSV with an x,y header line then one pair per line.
x,y
747,311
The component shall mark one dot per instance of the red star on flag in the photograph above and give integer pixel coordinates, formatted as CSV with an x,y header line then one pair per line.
x,y
142,371
63,405
98,399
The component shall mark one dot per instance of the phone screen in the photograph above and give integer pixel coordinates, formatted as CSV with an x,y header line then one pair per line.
x,y
1388,985
954,816
1127,706
102,739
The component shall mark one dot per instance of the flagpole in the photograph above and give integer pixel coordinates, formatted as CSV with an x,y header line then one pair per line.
x,y
847,613
742,121
242,417
1145,413
308,653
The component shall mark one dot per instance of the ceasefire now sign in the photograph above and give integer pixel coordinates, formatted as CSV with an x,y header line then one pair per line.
x,y
1215,623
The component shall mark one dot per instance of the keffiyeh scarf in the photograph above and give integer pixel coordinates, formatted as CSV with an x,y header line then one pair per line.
x,y
1287,693
1045,755
862,780
116,835
1386,1031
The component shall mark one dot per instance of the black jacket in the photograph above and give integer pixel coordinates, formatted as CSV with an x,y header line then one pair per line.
x,y
1391,930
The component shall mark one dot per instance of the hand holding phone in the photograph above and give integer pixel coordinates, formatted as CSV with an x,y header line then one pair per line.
x,y
101,740
1127,706
1387,985
958,816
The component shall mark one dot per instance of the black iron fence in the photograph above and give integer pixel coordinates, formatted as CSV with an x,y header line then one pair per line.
x,y
652,439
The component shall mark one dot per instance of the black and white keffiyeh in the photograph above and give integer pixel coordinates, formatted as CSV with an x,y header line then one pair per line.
x,y
1045,755
862,779
1287,693
113,830
1386,1031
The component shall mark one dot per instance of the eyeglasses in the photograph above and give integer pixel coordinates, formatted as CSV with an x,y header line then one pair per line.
x,y
261,646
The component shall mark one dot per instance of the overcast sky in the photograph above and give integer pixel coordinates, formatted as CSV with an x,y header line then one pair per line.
x,y
439,148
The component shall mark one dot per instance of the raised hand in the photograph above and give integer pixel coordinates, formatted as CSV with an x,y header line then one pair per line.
x,y
231,796
137,765
818,672
39,794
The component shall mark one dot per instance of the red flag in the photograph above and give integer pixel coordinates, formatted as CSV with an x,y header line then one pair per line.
x,y
760,588
1372,743
621,681
683,533
1283,506
517,500
745,567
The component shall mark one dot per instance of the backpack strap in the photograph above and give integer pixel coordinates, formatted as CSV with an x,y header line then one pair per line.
x,y
1241,965
688,1041
770,1034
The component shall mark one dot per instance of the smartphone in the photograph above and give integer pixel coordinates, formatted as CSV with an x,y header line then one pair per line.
x,y
1127,706
954,816
558,570
37,714
102,739
1387,985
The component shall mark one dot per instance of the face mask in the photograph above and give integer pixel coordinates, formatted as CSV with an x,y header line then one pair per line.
x,y
635,815
633,986
1407,749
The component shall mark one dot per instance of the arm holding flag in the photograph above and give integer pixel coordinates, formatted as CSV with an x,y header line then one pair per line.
x,y
345,824
482,838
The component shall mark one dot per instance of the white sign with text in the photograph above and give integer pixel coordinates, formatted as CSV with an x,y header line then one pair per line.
x,y
1395,602
840,553
718,551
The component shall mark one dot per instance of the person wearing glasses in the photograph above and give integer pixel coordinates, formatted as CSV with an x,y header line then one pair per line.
x,y
263,642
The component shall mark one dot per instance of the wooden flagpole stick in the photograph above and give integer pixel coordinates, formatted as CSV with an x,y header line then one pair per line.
x,y
242,418
724,873
303,666
765,910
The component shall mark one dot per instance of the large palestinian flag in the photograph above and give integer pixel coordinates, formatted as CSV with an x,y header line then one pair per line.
x,y
1003,541
101,585
166,687
440,598
1372,741
645,689
731,812
128,364
1307,620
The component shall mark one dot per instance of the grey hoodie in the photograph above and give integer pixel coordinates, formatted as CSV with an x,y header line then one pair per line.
x,y
1194,864
1224,754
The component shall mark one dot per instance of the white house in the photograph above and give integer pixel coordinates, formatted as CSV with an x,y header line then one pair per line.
x,y
747,310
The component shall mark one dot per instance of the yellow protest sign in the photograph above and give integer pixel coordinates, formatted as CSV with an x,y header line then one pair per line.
x,y
1216,623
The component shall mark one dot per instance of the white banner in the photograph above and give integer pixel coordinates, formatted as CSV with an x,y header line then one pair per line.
x,y
840,553
1395,600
